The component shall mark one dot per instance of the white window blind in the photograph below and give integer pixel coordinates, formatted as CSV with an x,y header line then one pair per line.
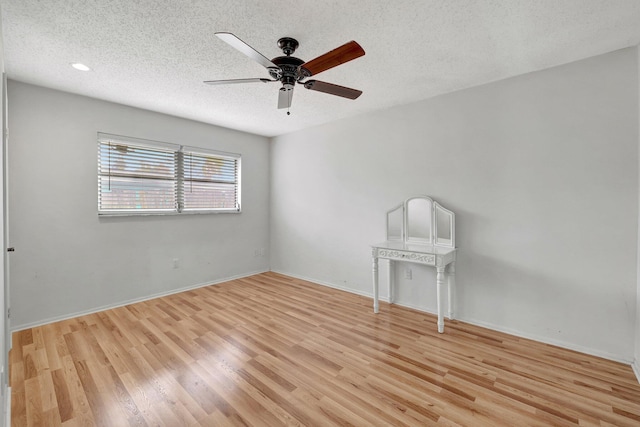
x,y
147,177
210,181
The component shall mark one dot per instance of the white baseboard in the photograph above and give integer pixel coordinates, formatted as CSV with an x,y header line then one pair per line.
x,y
636,369
544,340
16,328
352,291
329,285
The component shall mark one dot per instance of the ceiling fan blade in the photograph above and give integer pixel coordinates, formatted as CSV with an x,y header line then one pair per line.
x,y
233,81
285,96
337,56
235,42
330,88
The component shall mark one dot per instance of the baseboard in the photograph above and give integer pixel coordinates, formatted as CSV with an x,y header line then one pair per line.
x,y
562,344
636,369
16,328
329,285
520,334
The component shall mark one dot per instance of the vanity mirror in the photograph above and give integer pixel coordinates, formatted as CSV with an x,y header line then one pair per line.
x,y
444,224
395,223
419,220
422,221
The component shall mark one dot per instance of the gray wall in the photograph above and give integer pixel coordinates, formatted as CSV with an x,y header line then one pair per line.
x,y
636,364
69,261
541,171
5,340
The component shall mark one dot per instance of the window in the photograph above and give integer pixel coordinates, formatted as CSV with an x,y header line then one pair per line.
x,y
147,177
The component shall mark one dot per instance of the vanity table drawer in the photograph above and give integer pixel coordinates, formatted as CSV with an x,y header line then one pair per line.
x,y
428,259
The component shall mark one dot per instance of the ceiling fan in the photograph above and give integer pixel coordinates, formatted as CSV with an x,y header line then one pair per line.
x,y
290,70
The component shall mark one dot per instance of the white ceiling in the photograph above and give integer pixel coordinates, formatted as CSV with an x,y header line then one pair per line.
x,y
154,54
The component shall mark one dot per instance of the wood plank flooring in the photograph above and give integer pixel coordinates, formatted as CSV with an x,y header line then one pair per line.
x,y
270,350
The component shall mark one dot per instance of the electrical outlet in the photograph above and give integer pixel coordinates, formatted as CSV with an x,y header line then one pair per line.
x,y
407,273
176,263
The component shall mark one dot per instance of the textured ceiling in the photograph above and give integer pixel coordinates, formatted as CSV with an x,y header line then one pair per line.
x,y
154,54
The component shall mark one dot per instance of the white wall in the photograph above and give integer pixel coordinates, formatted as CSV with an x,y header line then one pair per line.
x,y
5,339
69,261
636,363
541,171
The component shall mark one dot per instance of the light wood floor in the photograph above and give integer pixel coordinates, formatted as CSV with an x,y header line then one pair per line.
x,y
270,350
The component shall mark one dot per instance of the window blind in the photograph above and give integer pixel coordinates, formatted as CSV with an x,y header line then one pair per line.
x,y
139,176
210,181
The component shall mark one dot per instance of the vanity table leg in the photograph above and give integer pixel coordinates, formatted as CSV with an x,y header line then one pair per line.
x,y
439,283
451,287
392,275
375,284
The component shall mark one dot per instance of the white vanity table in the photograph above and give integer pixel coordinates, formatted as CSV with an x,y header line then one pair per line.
x,y
420,231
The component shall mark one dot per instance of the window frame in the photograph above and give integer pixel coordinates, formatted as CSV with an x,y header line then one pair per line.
x,y
178,180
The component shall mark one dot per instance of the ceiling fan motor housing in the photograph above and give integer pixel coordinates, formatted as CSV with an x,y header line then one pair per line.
x,y
288,71
288,66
